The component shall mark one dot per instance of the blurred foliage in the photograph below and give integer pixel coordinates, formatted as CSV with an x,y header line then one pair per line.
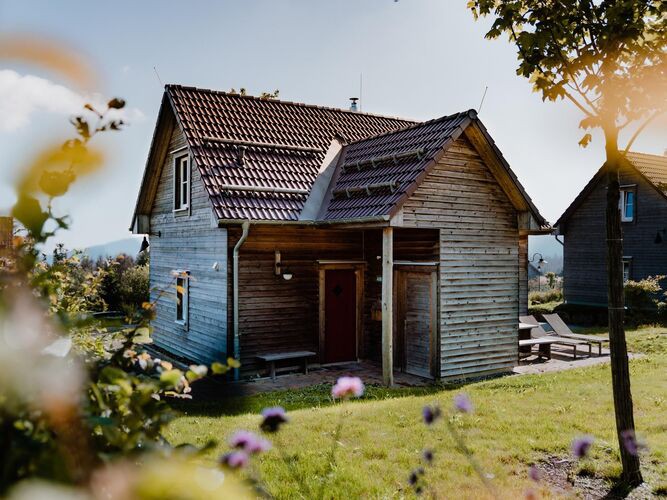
x,y
85,416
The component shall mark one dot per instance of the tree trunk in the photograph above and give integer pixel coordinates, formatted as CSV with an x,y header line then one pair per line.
x,y
620,372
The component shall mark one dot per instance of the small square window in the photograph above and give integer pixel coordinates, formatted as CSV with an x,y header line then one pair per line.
x,y
181,183
627,205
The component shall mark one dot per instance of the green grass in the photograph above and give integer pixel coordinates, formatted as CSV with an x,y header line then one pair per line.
x,y
517,420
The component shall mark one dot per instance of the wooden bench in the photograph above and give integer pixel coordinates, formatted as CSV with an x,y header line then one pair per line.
x,y
544,343
281,356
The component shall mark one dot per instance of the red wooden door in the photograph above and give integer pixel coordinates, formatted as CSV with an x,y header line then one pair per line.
x,y
340,323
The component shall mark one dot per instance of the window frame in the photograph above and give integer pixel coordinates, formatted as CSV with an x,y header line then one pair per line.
x,y
622,203
182,184
627,261
184,278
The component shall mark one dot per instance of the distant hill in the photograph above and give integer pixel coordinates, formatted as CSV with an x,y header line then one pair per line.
x,y
129,246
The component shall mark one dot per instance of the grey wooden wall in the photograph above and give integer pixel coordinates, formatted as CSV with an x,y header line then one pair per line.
x,y
479,263
188,242
584,265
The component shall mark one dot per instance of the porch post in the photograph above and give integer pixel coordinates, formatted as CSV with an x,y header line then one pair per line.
x,y
387,305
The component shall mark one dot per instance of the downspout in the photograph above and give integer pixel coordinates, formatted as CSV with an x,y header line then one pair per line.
x,y
559,241
235,293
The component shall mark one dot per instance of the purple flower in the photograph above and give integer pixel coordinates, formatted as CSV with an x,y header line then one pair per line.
x,y
630,442
581,446
431,414
462,403
235,459
534,473
273,418
428,456
348,386
415,475
249,442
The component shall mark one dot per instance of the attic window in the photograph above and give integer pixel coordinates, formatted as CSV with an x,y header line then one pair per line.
x,y
627,205
181,183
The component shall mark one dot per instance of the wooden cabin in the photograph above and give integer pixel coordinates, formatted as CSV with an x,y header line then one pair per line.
x,y
643,208
350,235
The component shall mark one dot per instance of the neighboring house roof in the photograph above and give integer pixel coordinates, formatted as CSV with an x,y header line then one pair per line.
x,y
653,168
279,148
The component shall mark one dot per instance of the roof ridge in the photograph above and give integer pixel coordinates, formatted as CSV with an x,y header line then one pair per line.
x,y
170,86
471,113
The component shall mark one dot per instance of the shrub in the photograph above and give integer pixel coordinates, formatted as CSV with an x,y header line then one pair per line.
x,y
134,288
545,297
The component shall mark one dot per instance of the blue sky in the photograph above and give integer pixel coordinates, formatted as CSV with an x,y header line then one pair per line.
x,y
420,59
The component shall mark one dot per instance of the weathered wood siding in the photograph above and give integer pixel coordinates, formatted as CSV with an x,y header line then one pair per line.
x,y
277,315
479,263
585,257
188,242
523,275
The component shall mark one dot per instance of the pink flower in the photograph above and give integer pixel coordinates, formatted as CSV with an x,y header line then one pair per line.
x,y
273,418
462,403
630,442
348,386
249,442
581,446
534,473
235,459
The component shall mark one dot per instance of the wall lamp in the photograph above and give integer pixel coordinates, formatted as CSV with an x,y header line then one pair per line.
x,y
279,270
144,242
540,262
660,236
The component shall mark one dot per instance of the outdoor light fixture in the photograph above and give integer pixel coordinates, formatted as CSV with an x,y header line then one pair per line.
x,y
659,238
279,270
540,262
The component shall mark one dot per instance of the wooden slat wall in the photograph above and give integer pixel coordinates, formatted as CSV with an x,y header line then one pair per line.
x,y
189,242
523,275
479,262
277,315
584,266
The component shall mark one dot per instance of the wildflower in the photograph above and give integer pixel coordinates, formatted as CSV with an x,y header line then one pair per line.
x,y
249,442
630,442
530,495
348,386
431,414
415,475
581,446
428,456
273,418
534,473
462,403
235,459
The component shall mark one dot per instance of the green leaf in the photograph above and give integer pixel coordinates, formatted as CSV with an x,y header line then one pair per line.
x,y
142,335
171,377
219,369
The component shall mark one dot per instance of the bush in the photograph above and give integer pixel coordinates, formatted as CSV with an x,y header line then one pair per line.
x,y
644,300
545,297
134,288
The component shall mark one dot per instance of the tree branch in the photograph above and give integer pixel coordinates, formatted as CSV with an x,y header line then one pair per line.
x,y
640,130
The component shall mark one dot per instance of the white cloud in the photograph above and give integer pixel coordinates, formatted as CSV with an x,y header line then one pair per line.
x,y
21,96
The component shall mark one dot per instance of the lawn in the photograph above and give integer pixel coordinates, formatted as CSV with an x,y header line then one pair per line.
x,y
517,421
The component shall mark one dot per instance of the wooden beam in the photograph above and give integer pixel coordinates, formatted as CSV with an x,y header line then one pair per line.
x,y
387,305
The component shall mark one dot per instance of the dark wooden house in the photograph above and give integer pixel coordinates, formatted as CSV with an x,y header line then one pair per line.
x,y
351,235
643,208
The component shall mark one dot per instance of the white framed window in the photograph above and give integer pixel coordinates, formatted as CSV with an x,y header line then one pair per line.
x,y
627,204
181,183
627,268
182,296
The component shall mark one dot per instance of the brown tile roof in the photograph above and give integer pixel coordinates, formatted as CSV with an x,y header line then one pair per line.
x,y
374,174
306,132
653,167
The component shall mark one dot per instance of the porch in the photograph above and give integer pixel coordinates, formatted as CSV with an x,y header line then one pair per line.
x,y
360,293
